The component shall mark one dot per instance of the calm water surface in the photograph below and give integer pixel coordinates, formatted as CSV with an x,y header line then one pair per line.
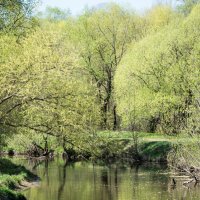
x,y
87,181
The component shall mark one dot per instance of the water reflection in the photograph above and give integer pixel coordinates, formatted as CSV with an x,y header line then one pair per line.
x,y
62,180
86,181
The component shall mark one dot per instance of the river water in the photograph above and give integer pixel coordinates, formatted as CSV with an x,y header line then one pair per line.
x,y
88,181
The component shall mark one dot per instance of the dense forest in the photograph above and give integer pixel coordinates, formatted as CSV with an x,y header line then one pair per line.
x,y
65,80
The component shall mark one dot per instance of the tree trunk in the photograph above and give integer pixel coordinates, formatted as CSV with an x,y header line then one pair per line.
x,y
104,114
114,118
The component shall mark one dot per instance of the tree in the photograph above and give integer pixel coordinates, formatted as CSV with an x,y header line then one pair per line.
x,y
186,6
43,90
103,37
159,16
162,69
16,16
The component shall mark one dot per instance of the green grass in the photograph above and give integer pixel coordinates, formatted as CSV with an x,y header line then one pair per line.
x,y
7,194
156,149
148,137
11,181
129,135
11,175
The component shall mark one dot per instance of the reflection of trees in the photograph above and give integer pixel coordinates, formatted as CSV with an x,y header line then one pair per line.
x,y
110,183
135,180
46,170
105,183
36,162
94,179
116,181
135,171
104,177
62,180
184,192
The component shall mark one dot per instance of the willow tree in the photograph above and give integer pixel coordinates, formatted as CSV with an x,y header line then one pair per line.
x,y
159,77
103,37
43,90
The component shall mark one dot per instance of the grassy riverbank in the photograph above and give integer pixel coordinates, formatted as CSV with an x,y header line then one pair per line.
x,y
140,147
150,146
11,178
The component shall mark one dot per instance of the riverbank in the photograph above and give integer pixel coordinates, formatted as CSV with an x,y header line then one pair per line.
x,y
110,145
145,151
115,146
12,179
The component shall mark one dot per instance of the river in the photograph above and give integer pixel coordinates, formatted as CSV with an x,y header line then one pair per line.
x,y
88,181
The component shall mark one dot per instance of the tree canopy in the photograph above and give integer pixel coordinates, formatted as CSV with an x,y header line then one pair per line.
x,y
157,79
16,16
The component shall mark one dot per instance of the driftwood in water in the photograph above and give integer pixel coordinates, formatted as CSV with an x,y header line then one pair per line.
x,y
193,173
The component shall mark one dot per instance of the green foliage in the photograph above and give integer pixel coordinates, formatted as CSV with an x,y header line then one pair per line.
x,y
156,149
159,16
185,154
11,176
186,6
43,87
9,168
7,194
22,144
16,16
103,37
157,78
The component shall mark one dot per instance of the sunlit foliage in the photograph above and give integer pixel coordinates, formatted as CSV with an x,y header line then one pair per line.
x,y
157,81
